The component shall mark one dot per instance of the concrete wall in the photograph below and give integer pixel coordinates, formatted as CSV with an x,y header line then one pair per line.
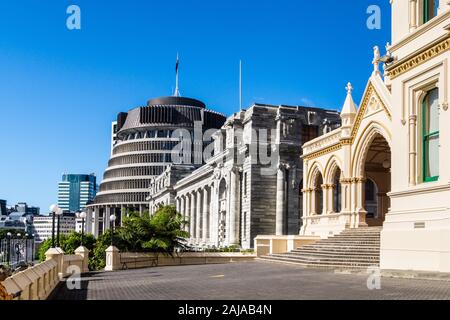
x,y
127,260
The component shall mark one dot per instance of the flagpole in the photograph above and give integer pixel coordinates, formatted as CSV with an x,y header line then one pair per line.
x,y
177,90
240,85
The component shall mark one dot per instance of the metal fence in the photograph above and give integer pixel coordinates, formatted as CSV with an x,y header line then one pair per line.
x,y
16,251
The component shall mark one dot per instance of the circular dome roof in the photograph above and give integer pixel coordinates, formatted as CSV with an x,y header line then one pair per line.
x,y
175,101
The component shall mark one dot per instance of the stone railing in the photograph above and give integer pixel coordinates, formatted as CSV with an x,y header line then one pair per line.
x,y
38,282
115,260
327,140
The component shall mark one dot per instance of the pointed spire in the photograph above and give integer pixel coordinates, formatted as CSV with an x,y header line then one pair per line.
x,y
349,107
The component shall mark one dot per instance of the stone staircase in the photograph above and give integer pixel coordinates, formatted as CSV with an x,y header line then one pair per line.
x,y
352,249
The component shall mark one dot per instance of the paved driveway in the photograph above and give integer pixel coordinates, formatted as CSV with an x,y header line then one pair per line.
x,y
256,280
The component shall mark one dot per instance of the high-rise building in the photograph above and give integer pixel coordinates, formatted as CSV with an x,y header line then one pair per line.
x,y
75,191
3,207
143,142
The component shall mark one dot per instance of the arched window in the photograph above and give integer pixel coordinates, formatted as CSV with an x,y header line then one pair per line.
x,y
318,205
430,135
429,9
337,192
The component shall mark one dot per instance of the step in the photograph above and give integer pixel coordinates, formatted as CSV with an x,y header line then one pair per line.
x,y
330,262
327,259
330,252
344,243
342,247
332,265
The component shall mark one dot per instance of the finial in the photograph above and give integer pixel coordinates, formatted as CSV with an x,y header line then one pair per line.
x,y
376,60
349,88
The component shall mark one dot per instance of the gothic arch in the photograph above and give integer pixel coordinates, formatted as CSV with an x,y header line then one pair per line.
x,y
330,169
315,170
363,144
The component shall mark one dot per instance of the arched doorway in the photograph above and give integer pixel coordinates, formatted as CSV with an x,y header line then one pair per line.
x,y
377,175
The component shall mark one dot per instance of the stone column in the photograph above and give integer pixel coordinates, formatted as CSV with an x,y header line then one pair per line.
x,y
213,216
205,215
112,259
187,215
313,202
95,224
198,219
88,222
330,203
412,150
122,214
345,195
181,209
193,222
106,221
360,200
413,15
234,205
280,205
84,253
325,190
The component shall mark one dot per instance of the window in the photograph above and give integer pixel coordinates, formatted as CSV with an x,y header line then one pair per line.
x,y
309,133
245,184
429,9
430,135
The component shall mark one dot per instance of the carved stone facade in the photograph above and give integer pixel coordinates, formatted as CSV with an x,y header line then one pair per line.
x,y
251,185
388,164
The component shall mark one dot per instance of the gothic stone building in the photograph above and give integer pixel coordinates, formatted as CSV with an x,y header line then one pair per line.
x,y
251,184
388,163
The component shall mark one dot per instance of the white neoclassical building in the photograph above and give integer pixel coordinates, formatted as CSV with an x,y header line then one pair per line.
x,y
251,185
388,163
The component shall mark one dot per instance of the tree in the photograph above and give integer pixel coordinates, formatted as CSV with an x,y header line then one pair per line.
x,y
68,243
161,232
97,260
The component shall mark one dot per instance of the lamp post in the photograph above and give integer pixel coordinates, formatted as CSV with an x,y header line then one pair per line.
x,y
59,213
53,209
82,216
32,248
8,247
17,247
112,218
26,247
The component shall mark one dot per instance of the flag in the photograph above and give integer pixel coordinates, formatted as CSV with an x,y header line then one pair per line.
x,y
176,66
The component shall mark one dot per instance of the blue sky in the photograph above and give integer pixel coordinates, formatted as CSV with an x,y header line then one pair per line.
x,y
60,89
